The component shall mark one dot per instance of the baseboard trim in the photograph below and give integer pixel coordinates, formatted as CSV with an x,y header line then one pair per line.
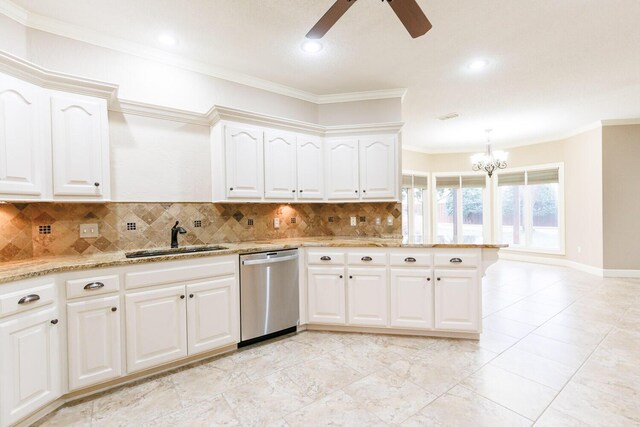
x,y
628,274
390,331
561,262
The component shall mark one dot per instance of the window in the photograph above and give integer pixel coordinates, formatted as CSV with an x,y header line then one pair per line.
x,y
529,214
459,207
414,208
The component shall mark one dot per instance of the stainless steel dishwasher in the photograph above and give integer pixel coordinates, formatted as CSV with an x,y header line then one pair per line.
x,y
269,295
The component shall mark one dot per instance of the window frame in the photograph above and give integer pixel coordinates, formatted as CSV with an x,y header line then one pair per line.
x,y
425,205
528,217
486,204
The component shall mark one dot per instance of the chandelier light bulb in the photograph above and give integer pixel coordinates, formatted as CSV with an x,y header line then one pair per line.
x,y
489,161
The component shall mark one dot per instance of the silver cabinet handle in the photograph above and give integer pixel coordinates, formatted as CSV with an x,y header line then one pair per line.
x,y
93,286
456,260
325,258
410,259
366,258
29,298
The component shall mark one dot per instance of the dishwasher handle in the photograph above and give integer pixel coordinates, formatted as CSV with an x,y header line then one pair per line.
x,y
269,260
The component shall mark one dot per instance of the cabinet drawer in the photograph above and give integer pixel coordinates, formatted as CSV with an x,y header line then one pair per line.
x,y
410,259
78,288
326,258
177,273
27,299
456,259
363,258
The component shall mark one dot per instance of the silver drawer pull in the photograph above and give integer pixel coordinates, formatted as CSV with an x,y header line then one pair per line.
x,y
325,258
456,260
29,298
366,258
410,259
93,286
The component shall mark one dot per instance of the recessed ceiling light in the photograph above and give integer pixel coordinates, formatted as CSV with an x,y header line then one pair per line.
x,y
312,46
167,39
478,64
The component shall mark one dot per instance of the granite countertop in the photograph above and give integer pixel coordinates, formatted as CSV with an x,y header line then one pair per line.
x,y
34,267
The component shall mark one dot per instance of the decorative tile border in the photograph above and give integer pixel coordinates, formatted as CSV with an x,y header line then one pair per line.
x,y
128,226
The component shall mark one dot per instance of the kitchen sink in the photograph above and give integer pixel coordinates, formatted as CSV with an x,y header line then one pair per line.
x,y
173,251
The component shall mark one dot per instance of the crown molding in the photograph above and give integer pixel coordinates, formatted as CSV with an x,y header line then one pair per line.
x,y
43,77
63,29
159,112
620,122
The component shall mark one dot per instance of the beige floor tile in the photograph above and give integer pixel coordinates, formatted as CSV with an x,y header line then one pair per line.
x,y
336,409
390,398
365,356
74,415
513,328
495,341
267,399
607,373
524,316
567,319
596,407
526,397
581,337
214,412
533,367
204,382
554,418
462,407
568,354
321,376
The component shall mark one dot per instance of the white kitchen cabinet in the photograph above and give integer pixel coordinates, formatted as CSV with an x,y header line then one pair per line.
x,y
310,167
341,169
30,371
80,141
244,162
412,298
24,140
457,300
279,165
367,296
377,167
326,295
212,314
156,323
94,342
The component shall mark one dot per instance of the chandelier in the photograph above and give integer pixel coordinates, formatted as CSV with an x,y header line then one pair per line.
x,y
489,161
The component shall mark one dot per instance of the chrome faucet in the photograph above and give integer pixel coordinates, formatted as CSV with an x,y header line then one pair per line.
x,y
174,234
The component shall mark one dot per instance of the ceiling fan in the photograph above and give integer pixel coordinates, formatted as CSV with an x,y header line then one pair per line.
x,y
408,11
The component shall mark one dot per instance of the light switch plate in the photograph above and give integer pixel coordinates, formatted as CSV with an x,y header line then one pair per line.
x,y
88,231
378,221
353,221
276,222
390,220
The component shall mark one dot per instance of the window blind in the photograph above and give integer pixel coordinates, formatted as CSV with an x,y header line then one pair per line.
x,y
448,182
513,178
407,180
548,176
420,182
474,181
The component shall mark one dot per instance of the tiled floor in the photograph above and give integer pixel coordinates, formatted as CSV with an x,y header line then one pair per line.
x,y
560,348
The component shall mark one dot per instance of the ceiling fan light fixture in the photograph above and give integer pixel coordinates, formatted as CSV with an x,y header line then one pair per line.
x,y
478,64
311,46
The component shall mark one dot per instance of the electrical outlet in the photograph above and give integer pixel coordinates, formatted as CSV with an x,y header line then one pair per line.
x,y
353,221
88,231
276,222
390,220
378,221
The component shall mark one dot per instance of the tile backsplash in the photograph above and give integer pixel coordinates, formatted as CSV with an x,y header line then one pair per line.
x,y
40,229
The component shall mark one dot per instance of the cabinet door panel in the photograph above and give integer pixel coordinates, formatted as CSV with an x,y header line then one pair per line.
x,y
368,296
342,169
310,168
156,327
94,341
244,163
24,149
412,298
326,288
457,300
377,167
30,364
212,311
279,165
80,145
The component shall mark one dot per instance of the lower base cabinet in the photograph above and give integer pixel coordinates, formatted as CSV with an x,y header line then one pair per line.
x,y
156,327
94,341
30,372
457,302
412,298
326,290
367,296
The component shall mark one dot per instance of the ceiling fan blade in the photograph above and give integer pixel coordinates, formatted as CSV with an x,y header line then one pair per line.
x,y
411,16
329,19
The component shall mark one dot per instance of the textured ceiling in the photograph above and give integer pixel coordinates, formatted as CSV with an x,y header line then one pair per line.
x,y
554,65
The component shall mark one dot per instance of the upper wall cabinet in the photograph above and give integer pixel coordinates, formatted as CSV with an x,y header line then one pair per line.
x,y
279,165
244,162
24,141
342,169
310,168
377,172
79,135
53,145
